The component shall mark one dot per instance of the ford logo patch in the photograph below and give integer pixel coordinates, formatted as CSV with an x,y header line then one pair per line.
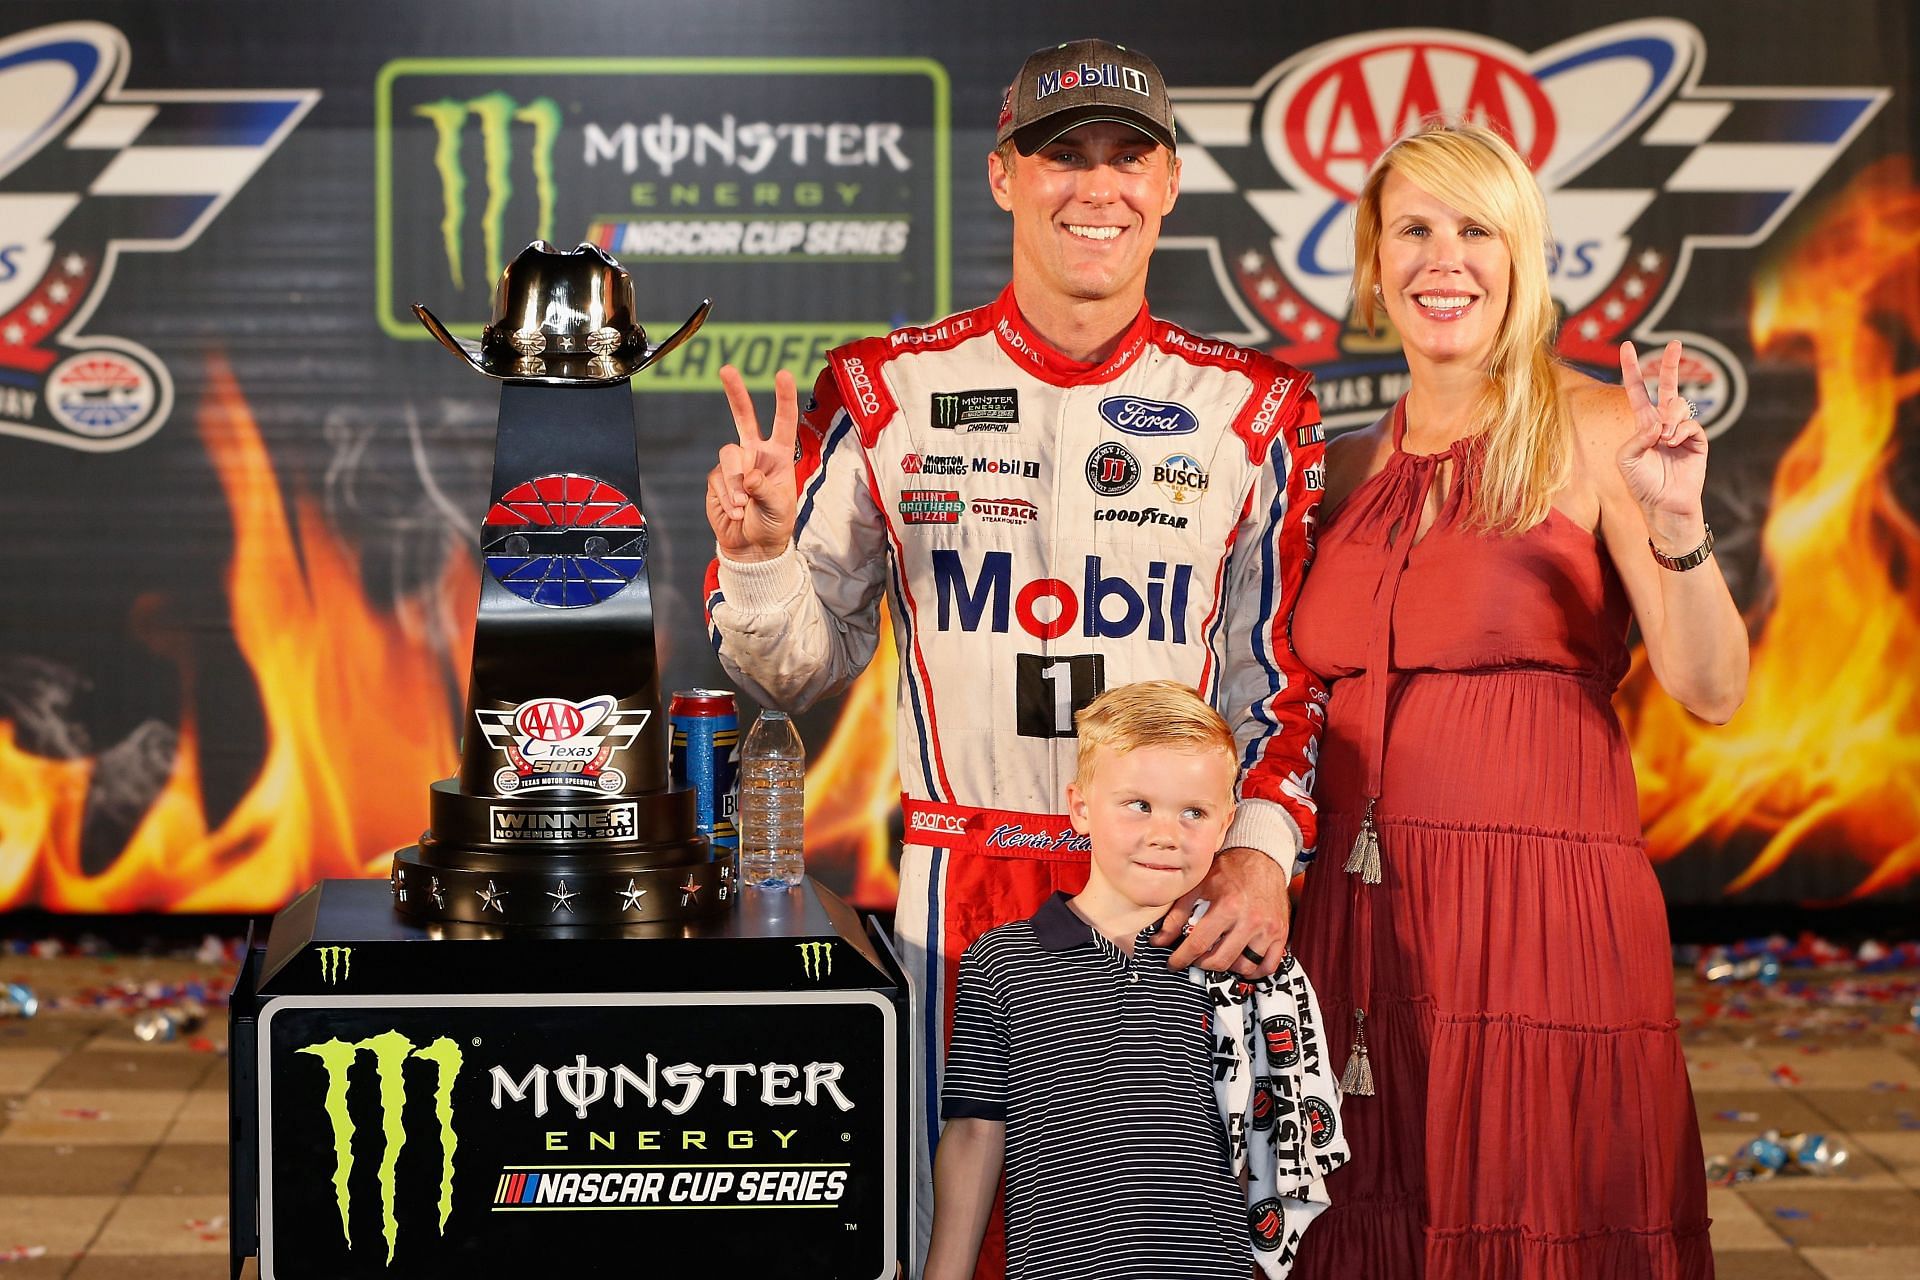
x,y
1139,416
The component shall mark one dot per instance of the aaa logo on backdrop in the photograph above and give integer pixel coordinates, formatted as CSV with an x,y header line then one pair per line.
x,y
1641,165
89,170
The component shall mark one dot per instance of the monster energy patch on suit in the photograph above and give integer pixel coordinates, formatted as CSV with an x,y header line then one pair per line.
x,y
968,411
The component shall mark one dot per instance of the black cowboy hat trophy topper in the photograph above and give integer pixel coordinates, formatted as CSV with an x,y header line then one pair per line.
x,y
562,815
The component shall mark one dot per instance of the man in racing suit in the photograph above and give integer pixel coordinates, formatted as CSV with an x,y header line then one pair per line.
x,y
1058,493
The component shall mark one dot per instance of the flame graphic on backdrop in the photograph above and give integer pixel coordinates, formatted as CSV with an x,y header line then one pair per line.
x,y
1825,755
853,785
357,707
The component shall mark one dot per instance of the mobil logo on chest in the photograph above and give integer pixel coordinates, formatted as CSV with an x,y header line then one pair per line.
x,y
1101,606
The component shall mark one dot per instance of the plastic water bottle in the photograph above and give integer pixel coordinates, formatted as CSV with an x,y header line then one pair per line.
x,y
773,769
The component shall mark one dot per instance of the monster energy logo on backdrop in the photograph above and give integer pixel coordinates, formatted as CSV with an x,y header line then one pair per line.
x,y
390,1052
816,958
497,114
336,964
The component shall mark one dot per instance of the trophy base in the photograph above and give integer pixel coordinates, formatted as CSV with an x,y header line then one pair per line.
x,y
566,890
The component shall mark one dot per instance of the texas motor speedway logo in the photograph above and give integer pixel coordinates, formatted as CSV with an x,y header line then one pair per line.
x,y
799,190
1642,165
90,170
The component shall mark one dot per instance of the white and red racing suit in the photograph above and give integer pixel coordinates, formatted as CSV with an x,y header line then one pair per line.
x,y
1044,530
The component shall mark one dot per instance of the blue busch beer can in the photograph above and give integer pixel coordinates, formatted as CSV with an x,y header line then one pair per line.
x,y
705,757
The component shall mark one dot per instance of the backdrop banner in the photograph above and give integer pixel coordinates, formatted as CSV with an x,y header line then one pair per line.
x,y
239,597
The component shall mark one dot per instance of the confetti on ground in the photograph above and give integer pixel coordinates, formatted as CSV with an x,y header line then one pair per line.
x,y
1786,1075
23,1253
1791,1214
1738,1117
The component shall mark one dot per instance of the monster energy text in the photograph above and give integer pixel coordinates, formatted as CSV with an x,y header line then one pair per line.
x,y
674,1088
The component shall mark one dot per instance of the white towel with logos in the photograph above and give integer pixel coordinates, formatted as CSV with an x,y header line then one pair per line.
x,y
1280,1100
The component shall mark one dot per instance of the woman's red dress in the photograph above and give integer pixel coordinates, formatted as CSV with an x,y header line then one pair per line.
x,y
1532,1116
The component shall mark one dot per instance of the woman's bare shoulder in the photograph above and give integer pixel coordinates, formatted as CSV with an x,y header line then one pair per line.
x,y
1352,457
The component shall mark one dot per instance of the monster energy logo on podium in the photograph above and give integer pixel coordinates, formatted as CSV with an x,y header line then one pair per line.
x,y
390,1051
816,958
336,964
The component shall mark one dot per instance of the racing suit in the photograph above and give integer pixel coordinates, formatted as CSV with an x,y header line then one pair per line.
x,y
1043,530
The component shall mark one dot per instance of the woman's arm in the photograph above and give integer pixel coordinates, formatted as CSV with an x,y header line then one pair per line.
x,y
1647,464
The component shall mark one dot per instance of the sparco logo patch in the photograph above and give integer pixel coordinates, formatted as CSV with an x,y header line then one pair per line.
x,y
968,411
89,171
1139,416
945,824
930,506
391,1053
860,382
1642,165
1111,470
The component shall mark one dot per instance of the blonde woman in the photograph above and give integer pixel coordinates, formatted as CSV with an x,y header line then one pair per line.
x,y
1485,930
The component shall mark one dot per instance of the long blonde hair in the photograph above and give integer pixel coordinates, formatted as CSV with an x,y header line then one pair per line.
x,y
1524,433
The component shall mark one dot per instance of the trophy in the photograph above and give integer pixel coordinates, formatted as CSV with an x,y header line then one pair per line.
x,y
562,814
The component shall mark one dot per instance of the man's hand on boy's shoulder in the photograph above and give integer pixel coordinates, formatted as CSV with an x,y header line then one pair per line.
x,y
1246,917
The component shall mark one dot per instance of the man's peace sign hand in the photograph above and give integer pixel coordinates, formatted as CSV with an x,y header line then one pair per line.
x,y
750,493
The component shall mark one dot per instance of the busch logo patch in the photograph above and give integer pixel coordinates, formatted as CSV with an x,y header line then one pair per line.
x,y
89,171
1642,164
551,742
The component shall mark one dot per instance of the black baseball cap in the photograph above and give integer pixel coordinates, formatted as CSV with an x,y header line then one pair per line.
x,y
1072,84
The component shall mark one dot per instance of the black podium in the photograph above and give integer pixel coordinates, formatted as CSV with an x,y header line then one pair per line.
x,y
721,1097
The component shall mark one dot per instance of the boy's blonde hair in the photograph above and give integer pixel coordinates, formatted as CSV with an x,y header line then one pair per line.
x,y
1524,432
1150,713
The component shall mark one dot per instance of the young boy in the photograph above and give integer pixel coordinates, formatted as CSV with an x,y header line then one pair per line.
x,y
1079,1059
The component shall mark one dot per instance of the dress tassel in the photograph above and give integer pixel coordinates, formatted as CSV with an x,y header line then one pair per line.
x,y
1357,1079
1364,860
